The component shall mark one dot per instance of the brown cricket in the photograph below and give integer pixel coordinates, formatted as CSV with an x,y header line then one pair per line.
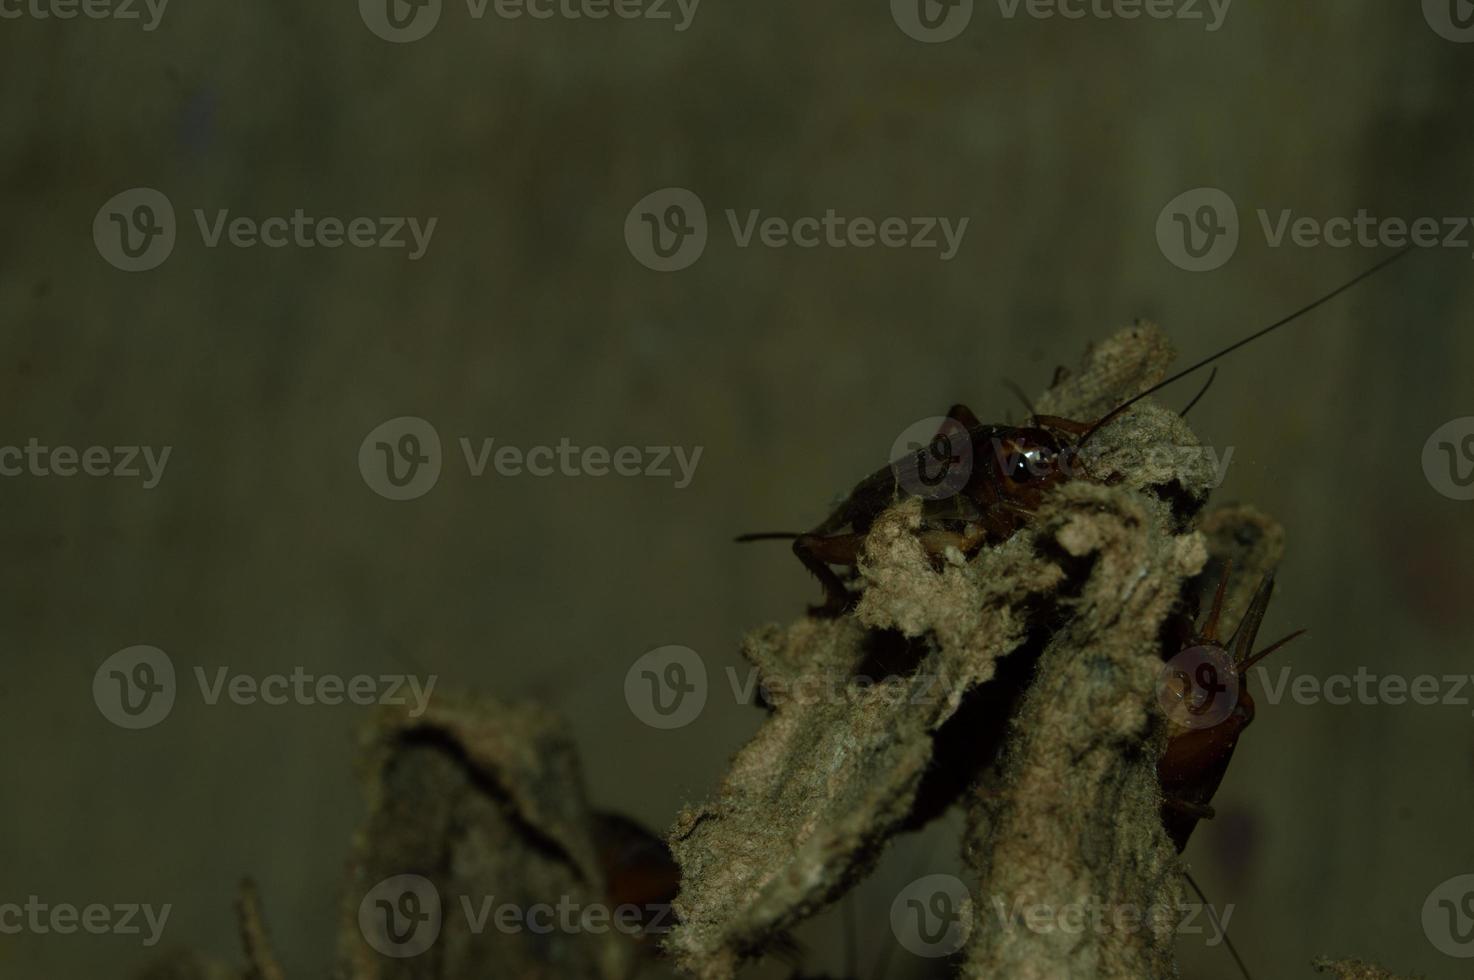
x,y
978,482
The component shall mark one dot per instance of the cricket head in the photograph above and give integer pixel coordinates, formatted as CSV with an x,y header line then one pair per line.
x,y
1027,461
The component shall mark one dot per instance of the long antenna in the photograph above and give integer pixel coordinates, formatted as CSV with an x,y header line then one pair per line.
x,y
1207,905
1113,413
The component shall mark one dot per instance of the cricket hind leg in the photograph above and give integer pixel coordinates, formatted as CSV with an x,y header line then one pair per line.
x,y
818,553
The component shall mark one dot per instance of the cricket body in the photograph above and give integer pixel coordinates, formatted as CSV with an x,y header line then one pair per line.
x,y
1206,693
979,483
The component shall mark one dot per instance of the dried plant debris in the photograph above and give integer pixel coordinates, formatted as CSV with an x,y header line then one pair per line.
x,y
474,808
185,965
842,764
474,804
1075,823
1090,846
836,769
1246,545
1356,970
261,961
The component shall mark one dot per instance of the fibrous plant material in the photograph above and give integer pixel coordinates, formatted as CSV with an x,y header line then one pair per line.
x,y
261,961
809,802
474,807
1356,970
485,802
1074,827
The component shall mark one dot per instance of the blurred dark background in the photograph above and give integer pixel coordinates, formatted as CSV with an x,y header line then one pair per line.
x,y
529,320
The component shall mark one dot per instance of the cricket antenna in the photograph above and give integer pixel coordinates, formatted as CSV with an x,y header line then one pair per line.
x,y
1021,396
1201,392
1114,413
767,536
1218,925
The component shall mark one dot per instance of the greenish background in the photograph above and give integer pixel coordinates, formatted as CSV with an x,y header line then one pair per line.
x,y
529,320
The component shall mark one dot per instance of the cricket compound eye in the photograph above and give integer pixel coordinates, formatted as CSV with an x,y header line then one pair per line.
x,y
1027,461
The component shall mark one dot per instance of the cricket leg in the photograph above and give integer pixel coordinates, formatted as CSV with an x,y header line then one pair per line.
x,y
936,542
1063,424
1199,810
818,552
